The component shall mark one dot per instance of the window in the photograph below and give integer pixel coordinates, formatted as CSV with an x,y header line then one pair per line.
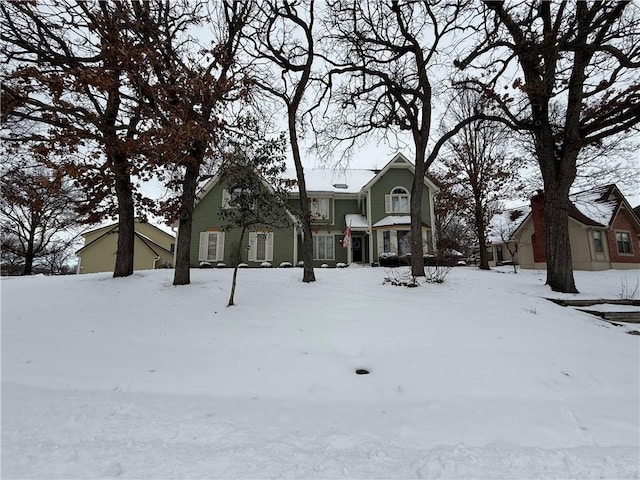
x,y
597,241
211,246
323,247
490,254
397,201
499,253
260,246
386,240
404,242
230,197
623,239
319,208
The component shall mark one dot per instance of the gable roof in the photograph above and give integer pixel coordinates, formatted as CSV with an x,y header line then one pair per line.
x,y
399,160
111,226
325,180
595,207
505,224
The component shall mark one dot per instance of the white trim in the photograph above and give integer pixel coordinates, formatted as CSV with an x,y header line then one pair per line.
x,y
393,163
295,245
203,250
226,196
332,242
253,247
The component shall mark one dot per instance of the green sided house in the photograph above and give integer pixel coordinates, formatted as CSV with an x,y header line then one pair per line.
x,y
373,204
153,248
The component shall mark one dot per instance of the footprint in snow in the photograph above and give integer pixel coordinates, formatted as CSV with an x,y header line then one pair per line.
x,y
113,470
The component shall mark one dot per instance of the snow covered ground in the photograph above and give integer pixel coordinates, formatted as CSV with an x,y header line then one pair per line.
x,y
479,377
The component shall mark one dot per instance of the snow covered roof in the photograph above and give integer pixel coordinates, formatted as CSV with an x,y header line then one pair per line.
x,y
393,220
596,204
334,181
503,225
356,221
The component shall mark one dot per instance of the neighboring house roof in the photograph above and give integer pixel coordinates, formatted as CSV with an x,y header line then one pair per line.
x,y
504,224
111,226
151,244
596,206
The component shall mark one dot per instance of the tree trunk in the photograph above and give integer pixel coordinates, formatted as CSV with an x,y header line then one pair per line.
x,y
558,170
28,257
417,187
480,232
235,268
558,248
126,218
308,274
182,268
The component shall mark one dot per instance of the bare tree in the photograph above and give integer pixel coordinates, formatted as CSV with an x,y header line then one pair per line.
x,y
566,73
390,53
36,216
478,170
286,41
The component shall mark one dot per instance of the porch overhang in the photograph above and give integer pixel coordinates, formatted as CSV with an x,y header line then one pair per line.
x,y
357,222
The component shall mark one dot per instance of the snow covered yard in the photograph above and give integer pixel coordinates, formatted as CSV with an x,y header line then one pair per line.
x,y
479,377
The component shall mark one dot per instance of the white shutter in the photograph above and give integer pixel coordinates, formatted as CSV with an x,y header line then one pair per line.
x,y
387,203
202,251
268,249
220,247
225,198
253,241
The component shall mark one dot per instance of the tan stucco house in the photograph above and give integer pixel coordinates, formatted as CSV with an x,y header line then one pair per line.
x,y
604,232
153,248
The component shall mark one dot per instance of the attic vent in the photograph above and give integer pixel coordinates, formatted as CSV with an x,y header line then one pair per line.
x,y
340,185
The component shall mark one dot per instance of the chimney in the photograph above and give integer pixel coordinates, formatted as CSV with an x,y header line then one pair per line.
x,y
538,237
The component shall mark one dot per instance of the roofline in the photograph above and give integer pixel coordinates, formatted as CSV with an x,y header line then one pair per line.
x,y
367,186
142,237
136,220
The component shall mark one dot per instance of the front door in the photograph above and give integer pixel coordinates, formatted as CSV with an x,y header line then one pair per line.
x,y
356,249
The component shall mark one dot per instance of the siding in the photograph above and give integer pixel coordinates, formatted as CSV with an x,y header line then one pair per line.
x,y
395,177
206,218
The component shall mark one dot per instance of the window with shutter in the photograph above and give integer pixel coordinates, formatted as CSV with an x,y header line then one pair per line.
x,y
397,201
261,246
211,247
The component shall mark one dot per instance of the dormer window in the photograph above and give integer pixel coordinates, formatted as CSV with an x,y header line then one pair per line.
x,y
397,201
